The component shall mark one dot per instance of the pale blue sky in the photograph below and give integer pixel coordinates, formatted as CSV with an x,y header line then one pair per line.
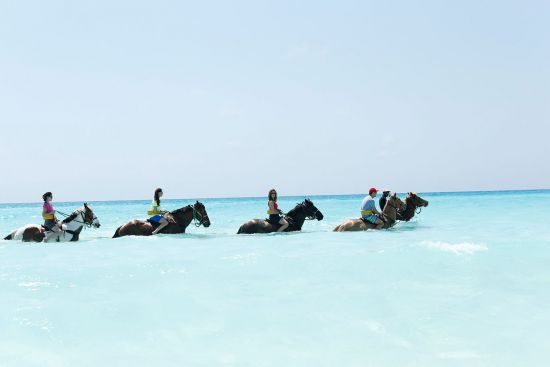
x,y
110,99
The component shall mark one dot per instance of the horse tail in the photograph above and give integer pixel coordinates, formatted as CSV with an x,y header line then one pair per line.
x,y
117,234
9,237
337,228
240,230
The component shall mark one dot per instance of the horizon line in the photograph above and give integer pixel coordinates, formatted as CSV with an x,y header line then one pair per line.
x,y
287,196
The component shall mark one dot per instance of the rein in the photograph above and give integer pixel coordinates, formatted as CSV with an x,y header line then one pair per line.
x,y
87,224
312,216
308,216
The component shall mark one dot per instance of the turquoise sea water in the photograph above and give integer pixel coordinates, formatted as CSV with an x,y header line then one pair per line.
x,y
467,282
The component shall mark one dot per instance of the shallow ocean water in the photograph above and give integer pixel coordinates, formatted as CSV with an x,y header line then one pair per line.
x,y
466,282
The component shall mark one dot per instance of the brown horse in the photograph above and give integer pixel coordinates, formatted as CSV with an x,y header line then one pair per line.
x,y
178,220
71,227
389,215
412,202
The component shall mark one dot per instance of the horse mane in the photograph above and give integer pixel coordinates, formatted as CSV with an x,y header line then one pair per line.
x,y
298,205
181,210
71,217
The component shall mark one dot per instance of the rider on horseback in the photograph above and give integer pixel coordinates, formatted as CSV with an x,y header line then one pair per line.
x,y
274,212
157,213
368,209
383,199
50,221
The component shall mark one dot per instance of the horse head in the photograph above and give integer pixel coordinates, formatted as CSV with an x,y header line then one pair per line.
x,y
83,215
311,210
417,200
395,202
89,217
393,205
200,215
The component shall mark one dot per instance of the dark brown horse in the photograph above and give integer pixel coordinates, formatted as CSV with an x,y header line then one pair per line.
x,y
412,202
295,218
389,215
178,221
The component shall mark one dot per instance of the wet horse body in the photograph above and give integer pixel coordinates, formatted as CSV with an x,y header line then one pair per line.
x,y
389,216
296,218
72,226
178,221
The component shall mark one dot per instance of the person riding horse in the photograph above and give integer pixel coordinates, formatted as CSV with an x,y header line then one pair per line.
x,y
369,213
274,212
48,214
156,212
383,199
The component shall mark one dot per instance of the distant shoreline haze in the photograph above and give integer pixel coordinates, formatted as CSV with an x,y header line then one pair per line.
x,y
473,192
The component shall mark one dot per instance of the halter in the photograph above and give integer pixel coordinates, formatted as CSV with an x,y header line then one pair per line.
x,y
82,215
196,213
311,216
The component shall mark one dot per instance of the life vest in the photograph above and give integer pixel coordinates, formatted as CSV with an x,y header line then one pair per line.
x,y
48,216
155,209
275,211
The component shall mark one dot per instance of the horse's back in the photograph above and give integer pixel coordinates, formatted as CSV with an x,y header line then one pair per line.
x,y
28,233
356,224
135,227
255,226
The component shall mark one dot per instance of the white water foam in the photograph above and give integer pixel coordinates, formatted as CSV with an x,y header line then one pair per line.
x,y
456,248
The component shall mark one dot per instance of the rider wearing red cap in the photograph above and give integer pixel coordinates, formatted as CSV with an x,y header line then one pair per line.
x,y
368,209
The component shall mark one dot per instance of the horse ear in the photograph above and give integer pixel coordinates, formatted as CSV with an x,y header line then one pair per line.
x,y
85,205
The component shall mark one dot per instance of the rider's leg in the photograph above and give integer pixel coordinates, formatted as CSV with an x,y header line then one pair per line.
x,y
284,225
162,223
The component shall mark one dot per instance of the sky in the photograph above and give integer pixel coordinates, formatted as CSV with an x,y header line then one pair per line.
x,y
107,100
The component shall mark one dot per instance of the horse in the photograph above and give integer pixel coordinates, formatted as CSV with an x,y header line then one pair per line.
x,y
178,220
412,202
71,227
295,218
389,216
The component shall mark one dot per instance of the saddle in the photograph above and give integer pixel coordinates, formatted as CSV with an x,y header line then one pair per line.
x,y
381,217
167,216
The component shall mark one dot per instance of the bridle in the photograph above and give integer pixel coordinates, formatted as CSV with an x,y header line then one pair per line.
x,y
311,216
87,223
417,207
198,221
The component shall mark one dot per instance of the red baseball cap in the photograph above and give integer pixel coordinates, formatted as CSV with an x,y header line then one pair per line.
x,y
372,189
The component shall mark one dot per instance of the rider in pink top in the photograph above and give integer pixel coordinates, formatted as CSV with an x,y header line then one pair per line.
x,y
48,213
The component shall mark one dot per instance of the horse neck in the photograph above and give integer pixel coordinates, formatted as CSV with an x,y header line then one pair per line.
x,y
298,216
184,217
408,213
390,211
75,223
